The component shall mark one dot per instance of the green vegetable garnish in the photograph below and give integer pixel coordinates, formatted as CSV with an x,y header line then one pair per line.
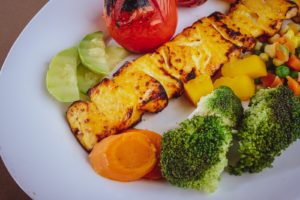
x,y
87,79
282,71
92,53
194,155
270,125
97,57
115,54
223,103
61,79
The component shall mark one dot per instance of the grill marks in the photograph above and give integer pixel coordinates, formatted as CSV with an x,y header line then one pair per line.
x,y
154,65
115,105
147,83
226,27
199,49
261,17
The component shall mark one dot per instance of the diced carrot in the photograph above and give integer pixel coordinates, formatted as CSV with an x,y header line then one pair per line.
x,y
280,55
294,63
271,81
294,86
155,138
124,157
281,40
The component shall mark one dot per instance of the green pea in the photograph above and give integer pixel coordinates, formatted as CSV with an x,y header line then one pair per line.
x,y
282,71
294,74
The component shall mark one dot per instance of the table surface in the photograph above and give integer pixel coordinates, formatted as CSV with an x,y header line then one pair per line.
x,y
14,15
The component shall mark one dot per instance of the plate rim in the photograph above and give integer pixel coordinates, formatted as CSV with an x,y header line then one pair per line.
x,y
4,67
16,179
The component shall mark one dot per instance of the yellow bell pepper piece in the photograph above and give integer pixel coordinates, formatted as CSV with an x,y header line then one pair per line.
x,y
243,86
198,87
252,66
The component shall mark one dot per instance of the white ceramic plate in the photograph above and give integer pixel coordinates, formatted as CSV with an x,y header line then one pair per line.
x,y
43,156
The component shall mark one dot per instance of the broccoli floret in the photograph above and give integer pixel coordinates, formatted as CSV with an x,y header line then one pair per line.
x,y
270,125
194,155
222,103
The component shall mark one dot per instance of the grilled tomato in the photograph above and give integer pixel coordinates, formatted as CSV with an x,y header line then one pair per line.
x,y
141,25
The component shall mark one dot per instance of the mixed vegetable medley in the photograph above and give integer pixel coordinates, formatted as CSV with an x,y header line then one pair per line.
x,y
281,55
